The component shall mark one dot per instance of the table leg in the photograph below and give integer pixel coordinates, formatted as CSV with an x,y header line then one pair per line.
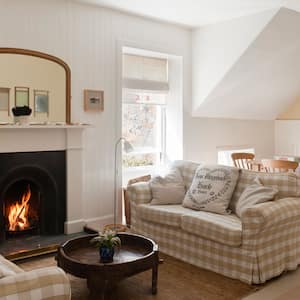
x,y
99,289
154,278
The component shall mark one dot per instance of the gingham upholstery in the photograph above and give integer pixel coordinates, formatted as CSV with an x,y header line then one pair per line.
x,y
298,184
234,262
220,228
48,283
9,265
187,170
270,237
139,192
285,182
272,231
162,214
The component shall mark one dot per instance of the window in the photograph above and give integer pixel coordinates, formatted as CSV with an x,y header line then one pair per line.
x,y
144,95
224,156
143,126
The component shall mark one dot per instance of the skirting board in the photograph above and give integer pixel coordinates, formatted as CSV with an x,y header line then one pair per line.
x,y
95,223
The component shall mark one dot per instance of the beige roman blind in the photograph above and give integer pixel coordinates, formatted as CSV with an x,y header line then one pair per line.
x,y
145,73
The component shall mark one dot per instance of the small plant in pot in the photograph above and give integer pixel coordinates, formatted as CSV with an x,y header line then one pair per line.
x,y
106,242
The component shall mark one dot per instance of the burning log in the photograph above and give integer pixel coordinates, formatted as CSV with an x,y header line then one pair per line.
x,y
17,215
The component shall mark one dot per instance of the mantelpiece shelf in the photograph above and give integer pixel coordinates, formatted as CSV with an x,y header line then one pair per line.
x,y
45,126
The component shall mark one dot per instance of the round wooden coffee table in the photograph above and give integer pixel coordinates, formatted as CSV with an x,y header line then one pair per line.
x,y
136,254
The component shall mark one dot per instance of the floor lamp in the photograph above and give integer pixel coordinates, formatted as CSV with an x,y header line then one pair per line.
x,y
127,148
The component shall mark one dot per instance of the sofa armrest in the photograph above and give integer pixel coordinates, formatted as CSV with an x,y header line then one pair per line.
x,y
139,193
45,283
266,219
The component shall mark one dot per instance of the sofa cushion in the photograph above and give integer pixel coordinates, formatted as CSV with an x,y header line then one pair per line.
x,y
285,182
167,190
253,194
212,188
225,229
8,268
187,170
298,184
162,214
5,271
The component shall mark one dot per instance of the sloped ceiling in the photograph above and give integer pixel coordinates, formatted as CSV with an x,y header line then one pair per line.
x,y
265,80
190,13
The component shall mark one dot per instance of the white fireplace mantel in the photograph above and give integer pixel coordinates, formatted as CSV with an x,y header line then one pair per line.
x,y
14,138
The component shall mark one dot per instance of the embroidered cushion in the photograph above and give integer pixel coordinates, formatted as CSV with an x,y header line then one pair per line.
x,y
254,194
169,189
212,188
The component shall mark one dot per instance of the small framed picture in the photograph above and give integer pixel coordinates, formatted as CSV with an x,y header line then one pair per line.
x,y
93,100
41,102
4,99
21,96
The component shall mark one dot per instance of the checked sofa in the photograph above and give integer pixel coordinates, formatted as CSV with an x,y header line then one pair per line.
x,y
49,283
260,245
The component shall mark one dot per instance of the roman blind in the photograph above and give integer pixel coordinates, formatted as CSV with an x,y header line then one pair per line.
x,y
145,73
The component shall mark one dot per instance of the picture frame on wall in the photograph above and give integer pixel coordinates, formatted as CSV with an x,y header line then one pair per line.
x,y
4,99
41,102
93,100
21,96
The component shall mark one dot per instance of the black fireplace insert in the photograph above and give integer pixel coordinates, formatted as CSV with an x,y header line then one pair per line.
x,y
32,193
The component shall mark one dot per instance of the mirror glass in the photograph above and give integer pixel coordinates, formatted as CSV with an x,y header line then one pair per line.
x,y
36,82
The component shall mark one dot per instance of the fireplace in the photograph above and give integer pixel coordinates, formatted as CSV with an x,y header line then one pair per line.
x,y
32,193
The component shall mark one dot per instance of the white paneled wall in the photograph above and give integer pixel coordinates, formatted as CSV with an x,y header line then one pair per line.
x,y
87,38
287,137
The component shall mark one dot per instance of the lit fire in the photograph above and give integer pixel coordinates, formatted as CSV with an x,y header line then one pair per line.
x,y
17,216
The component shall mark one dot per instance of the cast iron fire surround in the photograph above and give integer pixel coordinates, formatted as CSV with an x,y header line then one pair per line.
x,y
46,169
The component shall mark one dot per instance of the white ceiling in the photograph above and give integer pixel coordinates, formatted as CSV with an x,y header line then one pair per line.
x,y
191,13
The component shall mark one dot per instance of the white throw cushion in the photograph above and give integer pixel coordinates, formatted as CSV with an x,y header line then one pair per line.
x,y
212,188
254,194
167,190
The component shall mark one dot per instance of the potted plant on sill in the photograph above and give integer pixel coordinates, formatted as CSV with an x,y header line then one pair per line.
x,y
106,242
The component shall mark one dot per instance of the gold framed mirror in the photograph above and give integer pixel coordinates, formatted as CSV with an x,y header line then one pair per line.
x,y
38,80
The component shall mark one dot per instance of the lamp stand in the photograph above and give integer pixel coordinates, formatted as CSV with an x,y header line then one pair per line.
x,y
116,227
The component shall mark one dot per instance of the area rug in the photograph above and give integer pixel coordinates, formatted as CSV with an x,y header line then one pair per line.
x,y
176,281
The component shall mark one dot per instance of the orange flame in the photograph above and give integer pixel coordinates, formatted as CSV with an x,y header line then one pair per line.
x,y
17,216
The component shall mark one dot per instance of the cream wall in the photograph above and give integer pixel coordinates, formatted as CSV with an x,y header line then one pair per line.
x,y
35,74
203,137
88,38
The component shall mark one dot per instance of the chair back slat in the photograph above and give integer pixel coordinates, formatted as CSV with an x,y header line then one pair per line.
x,y
275,165
241,160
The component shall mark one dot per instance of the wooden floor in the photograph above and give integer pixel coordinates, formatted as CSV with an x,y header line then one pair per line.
x,y
177,281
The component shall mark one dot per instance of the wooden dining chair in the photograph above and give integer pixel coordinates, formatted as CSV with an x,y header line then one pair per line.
x,y
275,165
242,160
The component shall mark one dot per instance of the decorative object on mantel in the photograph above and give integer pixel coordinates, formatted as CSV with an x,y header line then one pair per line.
x,y
41,102
127,148
21,96
93,100
21,114
4,99
106,242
